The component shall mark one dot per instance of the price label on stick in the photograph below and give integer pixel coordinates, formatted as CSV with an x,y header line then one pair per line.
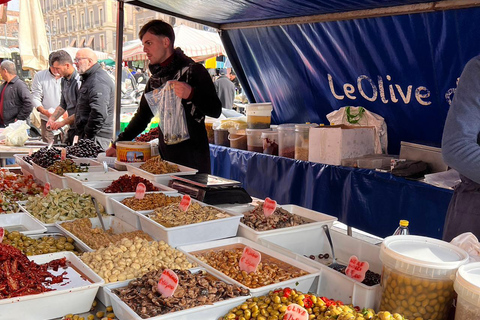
x,y
140,191
75,140
2,233
249,260
168,283
50,145
63,154
269,207
356,269
46,189
185,203
295,312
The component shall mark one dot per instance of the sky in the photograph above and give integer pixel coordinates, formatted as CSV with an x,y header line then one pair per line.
x,y
14,5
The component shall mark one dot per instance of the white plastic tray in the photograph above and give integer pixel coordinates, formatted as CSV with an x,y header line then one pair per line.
x,y
95,189
318,219
26,167
332,283
303,283
127,214
118,226
192,233
75,181
205,312
22,222
53,304
57,181
134,168
40,173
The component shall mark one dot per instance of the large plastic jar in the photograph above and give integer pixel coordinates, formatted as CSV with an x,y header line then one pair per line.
x,y
133,151
259,115
254,140
418,274
302,133
467,286
270,142
221,137
209,128
286,140
238,139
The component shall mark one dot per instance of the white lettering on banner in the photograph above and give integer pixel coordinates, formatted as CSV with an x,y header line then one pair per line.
x,y
385,89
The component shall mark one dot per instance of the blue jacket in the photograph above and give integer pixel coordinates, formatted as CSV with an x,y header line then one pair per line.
x,y
17,101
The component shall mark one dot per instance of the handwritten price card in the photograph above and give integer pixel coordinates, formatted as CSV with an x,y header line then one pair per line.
x,y
269,207
249,260
46,189
140,191
295,312
185,203
168,283
357,269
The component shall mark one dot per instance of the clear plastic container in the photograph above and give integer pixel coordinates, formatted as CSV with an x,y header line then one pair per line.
x,y
254,140
301,140
221,137
418,274
467,286
259,115
286,140
402,229
270,142
238,139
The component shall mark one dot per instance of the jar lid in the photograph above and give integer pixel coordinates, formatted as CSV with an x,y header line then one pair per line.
x,y
305,126
286,126
422,256
260,106
467,283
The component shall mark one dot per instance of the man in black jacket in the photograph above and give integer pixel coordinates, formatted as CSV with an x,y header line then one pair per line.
x,y
95,101
15,98
194,87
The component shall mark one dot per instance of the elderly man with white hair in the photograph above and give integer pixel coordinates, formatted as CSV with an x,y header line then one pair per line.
x,y
15,98
95,101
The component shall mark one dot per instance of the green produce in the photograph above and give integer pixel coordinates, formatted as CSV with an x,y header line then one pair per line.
x,y
45,244
66,166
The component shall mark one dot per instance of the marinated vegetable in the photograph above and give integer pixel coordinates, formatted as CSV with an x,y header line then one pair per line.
x,y
156,165
173,216
96,238
46,244
280,218
66,166
150,201
61,205
193,290
129,259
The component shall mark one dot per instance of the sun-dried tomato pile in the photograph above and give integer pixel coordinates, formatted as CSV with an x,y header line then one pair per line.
x,y
20,277
128,183
149,136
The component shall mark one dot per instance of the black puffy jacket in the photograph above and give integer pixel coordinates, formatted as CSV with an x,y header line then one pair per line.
x,y
17,101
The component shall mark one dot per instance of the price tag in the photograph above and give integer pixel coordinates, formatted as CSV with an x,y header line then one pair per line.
x,y
185,203
75,140
46,189
50,145
168,283
105,166
269,207
63,154
140,191
2,233
356,269
295,312
249,260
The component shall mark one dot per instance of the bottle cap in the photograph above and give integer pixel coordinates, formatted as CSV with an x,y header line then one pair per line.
x,y
404,223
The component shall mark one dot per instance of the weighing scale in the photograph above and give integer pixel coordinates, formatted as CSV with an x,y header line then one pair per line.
x,y
210,189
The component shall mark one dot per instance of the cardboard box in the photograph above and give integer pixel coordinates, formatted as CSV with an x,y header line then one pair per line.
x,y
331,144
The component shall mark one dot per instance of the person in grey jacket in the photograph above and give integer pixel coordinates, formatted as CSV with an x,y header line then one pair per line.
x,y
461,151
95,101
225,90
15,98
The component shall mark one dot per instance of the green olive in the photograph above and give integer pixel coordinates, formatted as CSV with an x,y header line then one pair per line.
x,y
69,246
60,246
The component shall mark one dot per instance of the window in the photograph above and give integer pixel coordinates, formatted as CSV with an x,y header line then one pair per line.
x,y
66,43
100,15
65,24
54,46
91,18
74,22
58,24
59,44
102,42
82,20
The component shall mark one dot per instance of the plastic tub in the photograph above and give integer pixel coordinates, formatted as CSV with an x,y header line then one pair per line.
x,y
238,139
209,128
221,137
259,115
129,151
27,168
71,296
22,222
75,181
57,181
302,133
467,286
286,140
418,272
40,173
254,140
270,142
134,168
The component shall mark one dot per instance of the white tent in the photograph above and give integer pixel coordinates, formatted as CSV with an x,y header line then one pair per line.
x,y
197,44
5,53
72,51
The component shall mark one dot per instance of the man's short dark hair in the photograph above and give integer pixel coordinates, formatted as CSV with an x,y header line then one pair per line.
x,y
60,56
158,28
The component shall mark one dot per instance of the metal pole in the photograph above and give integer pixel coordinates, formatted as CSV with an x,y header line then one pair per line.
x,y
118,69
6,40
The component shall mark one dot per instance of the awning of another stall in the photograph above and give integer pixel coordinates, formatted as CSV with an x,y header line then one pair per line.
x,y
5,53
34,50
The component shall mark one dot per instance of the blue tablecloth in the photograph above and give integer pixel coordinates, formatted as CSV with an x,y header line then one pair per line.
x,y
365,199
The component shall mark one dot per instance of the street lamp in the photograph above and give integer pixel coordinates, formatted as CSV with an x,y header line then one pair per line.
x,y
50,33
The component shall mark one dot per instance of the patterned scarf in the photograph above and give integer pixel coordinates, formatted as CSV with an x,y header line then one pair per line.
x,y
160,74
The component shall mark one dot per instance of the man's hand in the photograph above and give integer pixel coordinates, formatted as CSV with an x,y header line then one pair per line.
x,y
44,111
182,89
50,122
111,152
57,125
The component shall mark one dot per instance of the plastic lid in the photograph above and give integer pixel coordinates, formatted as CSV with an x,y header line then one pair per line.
x,y
257,131
404,223
305,127
268,134
286,126
467,283
260,106
422,256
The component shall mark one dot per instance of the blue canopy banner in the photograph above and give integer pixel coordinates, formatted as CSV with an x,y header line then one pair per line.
x,y
404,68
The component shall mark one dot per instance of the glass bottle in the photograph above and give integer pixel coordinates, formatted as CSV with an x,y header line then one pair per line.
x,y
402,228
